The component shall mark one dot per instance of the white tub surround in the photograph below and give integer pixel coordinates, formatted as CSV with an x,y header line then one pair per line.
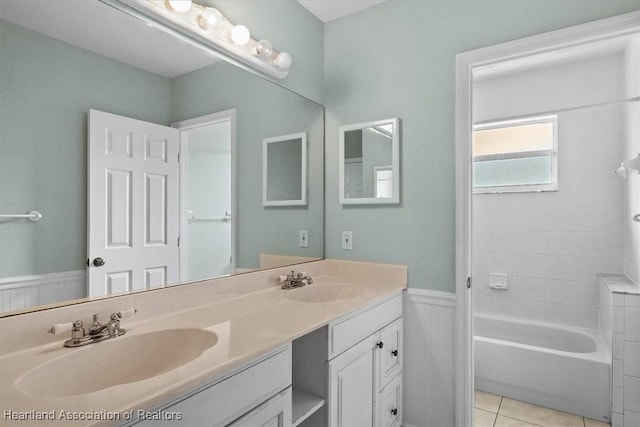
x,y
620,327
564,368
249,313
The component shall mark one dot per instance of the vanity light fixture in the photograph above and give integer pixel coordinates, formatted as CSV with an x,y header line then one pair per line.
x,y
180,6
209,26
211,18
263,49
240,35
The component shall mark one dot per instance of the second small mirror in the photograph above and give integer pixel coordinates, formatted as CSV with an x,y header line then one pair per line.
x,y
284,170
369,162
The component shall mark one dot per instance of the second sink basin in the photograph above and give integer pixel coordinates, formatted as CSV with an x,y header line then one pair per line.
x,y
326,292
119,360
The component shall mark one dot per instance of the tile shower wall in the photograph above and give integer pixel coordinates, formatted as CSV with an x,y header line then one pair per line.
x,y
620,326
552,245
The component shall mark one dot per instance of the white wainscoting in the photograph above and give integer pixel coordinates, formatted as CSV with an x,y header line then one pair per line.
x,y
17,293
429,344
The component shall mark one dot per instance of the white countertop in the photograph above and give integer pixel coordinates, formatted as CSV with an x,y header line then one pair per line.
x,y
248,326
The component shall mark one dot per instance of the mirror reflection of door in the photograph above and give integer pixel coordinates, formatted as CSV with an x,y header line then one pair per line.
x,y
133,204
207,199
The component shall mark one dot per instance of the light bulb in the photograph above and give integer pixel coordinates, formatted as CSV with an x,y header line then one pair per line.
x,y
240,35
211,18
181,6
283,61
263,49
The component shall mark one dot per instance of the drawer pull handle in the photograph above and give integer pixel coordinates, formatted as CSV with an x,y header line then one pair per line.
x,y
394,411
395,353
380,344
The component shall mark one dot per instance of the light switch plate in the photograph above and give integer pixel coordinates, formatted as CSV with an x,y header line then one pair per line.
x,y
347,240
304,238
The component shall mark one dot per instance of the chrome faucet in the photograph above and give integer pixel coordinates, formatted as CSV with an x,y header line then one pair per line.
x,y
111,328
294,280
96,332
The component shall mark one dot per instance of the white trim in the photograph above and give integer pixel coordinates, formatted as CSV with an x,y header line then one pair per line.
x,y
465,62
427,296
185,125
17,282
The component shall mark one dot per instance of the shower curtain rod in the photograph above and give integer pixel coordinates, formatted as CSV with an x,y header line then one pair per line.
x,y
561,110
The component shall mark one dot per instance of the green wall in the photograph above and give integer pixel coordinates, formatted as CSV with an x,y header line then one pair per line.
x,y
47,87
397,59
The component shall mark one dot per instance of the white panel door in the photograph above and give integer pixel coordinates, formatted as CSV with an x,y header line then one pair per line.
x,y
133,204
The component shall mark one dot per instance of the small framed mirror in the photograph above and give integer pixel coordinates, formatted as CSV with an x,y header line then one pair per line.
x,y
370,162
284,170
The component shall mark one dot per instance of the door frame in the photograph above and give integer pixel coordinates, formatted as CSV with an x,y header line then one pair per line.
x,y
628,23
183,127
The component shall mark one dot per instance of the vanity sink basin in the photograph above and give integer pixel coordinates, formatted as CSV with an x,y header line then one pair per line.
x,y
326,292
119,360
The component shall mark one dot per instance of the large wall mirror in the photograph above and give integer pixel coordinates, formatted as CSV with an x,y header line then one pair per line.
x,y
87,55
369,156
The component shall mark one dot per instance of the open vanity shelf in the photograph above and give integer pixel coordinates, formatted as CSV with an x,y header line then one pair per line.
x,y
309,359
304,405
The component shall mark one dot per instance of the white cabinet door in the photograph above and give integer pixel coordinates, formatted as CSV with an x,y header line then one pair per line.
x,y
365,382
276,412
352,387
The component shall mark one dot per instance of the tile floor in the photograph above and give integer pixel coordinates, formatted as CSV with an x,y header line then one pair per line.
x,y
498,411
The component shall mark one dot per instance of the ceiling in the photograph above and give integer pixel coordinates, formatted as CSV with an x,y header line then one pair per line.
x,y
90,25
328,10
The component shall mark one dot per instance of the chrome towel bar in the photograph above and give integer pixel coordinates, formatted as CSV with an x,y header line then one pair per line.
x,y
31,216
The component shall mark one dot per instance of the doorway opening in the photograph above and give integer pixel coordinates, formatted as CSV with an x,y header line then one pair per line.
x,y
469,67
207,196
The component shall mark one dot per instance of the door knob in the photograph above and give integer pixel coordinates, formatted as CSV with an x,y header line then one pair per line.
x,y
380,344
395,353
394,412
98,262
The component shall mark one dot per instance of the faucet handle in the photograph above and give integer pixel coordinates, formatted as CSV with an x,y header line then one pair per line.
x,y
95,326
78,331
129,312
60,328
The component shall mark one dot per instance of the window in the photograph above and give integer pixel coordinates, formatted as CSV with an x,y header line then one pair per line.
x,y
516,155
383,181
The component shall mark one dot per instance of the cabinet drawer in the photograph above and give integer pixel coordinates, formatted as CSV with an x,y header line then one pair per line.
x,y
234,396
390,404
346,332
275,412
391,353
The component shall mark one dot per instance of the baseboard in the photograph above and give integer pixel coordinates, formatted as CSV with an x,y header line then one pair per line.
x,y
431,297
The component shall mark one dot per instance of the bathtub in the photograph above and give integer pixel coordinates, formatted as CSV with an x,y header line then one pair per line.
x,y
558,367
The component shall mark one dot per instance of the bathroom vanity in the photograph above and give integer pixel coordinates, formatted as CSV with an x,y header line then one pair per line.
x,y
243,352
